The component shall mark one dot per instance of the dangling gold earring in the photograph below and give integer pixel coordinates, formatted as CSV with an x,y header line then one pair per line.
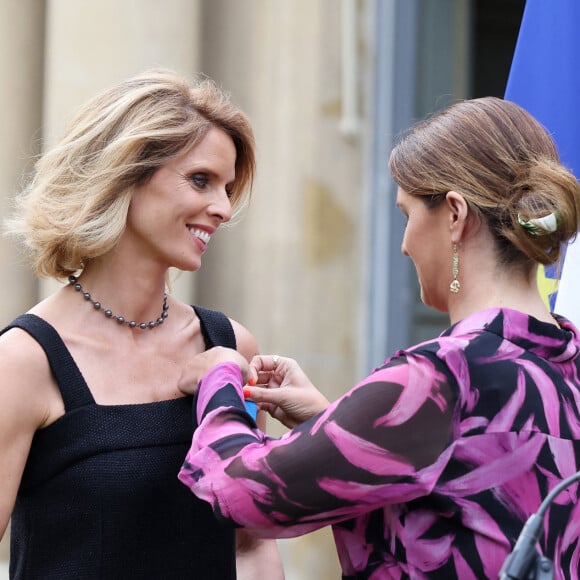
x,y
455,286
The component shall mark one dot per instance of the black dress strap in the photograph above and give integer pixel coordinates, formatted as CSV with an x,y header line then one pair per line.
x,y
216,328
73,387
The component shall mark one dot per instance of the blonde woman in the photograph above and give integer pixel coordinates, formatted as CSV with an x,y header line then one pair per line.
x,y
93,426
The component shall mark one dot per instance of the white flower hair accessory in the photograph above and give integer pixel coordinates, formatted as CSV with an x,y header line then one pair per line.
x,y
540,226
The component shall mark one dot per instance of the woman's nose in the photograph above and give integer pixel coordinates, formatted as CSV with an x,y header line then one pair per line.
x,y
222,206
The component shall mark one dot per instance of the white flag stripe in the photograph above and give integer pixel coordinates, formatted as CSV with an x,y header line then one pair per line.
x,y
568,299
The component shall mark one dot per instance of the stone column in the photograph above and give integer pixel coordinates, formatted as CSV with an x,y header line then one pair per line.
x,y
91,45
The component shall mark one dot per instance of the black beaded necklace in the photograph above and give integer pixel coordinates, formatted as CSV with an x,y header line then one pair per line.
x,y
121,319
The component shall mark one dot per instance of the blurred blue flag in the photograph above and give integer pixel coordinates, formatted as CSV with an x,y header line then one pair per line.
x,y
545,80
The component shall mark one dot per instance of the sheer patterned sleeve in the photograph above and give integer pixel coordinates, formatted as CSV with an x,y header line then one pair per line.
x,y
383,442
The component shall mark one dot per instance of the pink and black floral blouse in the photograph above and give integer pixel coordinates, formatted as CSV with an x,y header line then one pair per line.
x,y
428,468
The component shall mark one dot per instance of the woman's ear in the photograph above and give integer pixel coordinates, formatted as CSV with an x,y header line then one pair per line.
x,y
458,213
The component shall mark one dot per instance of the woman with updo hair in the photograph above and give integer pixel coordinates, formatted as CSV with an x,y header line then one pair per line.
x,y
507,169
431,465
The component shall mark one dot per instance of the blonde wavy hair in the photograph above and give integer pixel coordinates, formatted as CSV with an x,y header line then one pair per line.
x,y
506,166
74,208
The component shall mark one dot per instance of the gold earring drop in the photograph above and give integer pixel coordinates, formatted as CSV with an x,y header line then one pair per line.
x,y
455,286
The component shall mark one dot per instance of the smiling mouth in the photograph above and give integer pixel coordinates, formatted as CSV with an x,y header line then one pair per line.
x,y
200,234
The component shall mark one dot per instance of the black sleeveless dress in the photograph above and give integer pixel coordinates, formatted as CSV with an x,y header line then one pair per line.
x,y
99,496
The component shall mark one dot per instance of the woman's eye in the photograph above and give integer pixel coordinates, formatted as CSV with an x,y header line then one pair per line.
x,y
200,180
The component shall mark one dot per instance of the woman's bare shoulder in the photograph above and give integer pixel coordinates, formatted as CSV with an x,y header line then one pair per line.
x,y
26,382
246,342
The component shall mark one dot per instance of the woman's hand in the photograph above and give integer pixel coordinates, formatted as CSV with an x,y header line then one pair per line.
x,y
200,364
283,390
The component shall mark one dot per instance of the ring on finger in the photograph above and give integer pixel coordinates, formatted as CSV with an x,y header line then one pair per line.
x,y
275,359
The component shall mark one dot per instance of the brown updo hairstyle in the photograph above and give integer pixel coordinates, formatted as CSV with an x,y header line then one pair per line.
x,y
504,163
75,206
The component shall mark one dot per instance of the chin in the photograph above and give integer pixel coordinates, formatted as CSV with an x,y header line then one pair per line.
x,y
191,266
430,302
